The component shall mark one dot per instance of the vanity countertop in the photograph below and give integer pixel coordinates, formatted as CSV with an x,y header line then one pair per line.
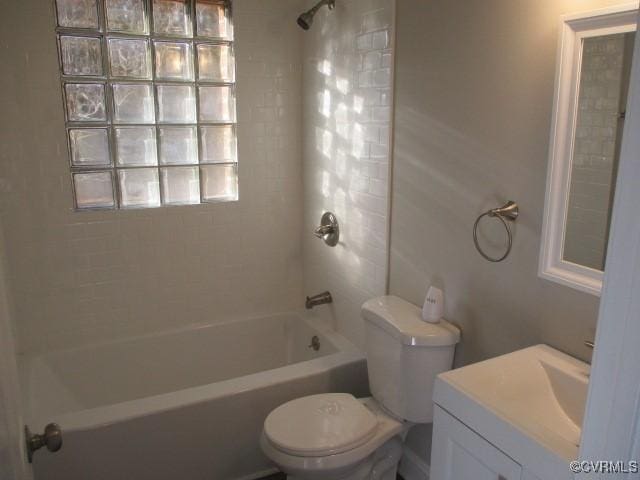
x,y
528,403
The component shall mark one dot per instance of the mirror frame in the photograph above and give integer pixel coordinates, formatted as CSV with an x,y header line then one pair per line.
x,y
573,29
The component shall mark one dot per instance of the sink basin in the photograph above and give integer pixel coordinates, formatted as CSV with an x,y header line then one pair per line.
x,y
570,391
532,400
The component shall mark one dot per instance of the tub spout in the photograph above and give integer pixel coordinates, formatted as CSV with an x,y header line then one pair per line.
x,y
320,299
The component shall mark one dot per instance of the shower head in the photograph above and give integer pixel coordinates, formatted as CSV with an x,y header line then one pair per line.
x,y
306,19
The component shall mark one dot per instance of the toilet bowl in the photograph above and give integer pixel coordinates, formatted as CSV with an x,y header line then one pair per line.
x,y
334,436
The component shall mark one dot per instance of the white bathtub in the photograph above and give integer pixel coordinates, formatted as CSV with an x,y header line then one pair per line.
x,y
185,405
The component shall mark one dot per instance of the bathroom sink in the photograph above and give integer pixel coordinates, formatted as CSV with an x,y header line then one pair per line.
x,y
530,402
570,391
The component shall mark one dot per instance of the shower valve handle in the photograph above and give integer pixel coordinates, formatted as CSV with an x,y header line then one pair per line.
x,y
328,230
323,230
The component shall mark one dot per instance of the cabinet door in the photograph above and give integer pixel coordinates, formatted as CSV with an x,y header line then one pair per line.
x,y
461,454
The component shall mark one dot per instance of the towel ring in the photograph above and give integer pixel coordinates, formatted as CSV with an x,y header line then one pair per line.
x,y
508,212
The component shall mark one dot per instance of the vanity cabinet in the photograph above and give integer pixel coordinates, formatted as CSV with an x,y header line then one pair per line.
x,y
461,454
516,416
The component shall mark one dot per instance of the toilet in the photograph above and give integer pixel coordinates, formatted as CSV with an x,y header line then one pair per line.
x,y
338,437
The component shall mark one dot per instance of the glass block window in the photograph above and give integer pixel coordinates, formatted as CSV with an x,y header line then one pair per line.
x,y
149,98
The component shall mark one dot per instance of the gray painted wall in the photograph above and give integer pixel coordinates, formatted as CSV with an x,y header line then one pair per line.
x,y
474,91
473,102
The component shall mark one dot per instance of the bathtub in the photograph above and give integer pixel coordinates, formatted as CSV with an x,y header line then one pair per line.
x,y
186,404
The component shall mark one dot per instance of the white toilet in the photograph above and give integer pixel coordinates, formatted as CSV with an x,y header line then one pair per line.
x,y
336,436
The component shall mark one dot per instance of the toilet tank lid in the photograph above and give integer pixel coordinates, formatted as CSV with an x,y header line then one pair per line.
x,y
404,321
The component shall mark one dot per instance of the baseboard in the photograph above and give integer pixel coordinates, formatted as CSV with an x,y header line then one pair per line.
x,y
412,467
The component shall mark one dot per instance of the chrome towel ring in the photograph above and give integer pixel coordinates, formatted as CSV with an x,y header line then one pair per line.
x,y
506,213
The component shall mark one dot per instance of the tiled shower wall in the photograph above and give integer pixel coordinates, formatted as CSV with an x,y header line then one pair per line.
x,y
347,91
79,278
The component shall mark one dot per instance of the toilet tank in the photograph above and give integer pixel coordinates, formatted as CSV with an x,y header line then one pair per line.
x,y
404,356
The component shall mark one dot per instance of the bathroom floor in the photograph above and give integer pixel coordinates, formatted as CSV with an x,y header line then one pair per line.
x,y
282,476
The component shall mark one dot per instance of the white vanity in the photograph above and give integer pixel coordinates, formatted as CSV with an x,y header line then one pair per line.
x,y
517,416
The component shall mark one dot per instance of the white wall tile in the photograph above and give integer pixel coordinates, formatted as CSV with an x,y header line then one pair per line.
x,y
347,119
92,276
87,277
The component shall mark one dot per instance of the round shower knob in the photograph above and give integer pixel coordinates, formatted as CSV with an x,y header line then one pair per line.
x,y
328,230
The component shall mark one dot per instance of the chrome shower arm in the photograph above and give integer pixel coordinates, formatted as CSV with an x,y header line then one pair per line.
x,y
313,10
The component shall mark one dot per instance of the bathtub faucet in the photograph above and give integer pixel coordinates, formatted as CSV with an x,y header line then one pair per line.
x,y
320,299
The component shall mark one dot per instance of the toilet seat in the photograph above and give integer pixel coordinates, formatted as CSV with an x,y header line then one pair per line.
x,y
386,428
319,425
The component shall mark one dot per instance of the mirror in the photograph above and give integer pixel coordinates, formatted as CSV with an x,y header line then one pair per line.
x,y
602,97
594,66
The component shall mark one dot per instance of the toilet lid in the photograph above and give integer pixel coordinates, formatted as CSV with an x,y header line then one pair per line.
x,y
320,425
